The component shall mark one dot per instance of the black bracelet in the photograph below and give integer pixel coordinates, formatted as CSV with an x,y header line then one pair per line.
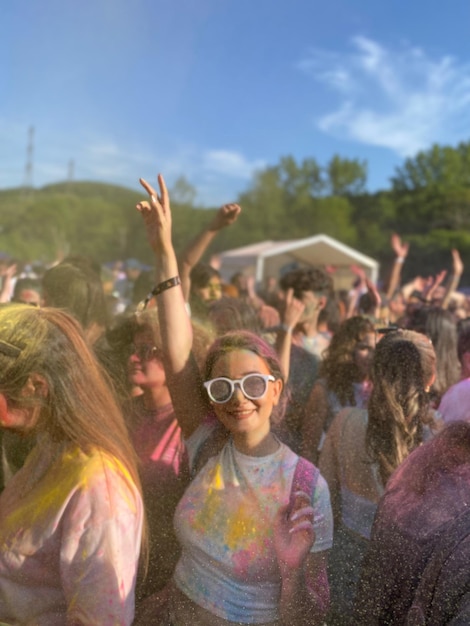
x,y
166,284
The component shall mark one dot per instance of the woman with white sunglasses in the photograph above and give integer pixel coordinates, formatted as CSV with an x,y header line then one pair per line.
x,y
253,543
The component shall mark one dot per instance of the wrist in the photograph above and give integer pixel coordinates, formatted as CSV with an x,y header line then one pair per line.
x,y
400,259
174,281
286,328
292,577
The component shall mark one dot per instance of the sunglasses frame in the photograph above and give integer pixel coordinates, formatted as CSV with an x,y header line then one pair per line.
x,y
151,352
240,382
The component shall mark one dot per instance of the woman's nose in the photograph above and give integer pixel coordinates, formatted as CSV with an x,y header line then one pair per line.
x,y
238,395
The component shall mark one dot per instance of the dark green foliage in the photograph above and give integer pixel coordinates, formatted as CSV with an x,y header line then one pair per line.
x,y
428,205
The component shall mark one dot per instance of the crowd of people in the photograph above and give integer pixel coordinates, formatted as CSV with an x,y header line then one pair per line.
x,y
180,450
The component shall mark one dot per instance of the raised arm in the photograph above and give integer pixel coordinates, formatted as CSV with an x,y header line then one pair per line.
x,y
315,416
225,216
355,294
375,297
401,251
432,284
181,370
457,271
292,313
6,290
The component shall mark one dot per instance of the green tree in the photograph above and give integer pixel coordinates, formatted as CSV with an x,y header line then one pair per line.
x,y
345,177
441,167
433,189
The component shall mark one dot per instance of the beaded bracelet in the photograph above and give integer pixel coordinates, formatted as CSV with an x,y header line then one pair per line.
x,y
166,284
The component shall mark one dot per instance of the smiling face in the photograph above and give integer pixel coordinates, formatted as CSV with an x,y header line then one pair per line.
x,y
246,418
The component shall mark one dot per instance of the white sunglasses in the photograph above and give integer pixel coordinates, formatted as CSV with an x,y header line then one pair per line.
x,y
253,387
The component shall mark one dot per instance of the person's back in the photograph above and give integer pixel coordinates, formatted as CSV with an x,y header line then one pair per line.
x,y
423,499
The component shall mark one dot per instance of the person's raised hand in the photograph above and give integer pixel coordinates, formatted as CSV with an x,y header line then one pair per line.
x,y
156,214
400,248
225,216
439,278
433,283
359,271
457,263
293,310
10,271
374,293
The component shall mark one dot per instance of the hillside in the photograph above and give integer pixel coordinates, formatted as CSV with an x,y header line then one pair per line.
x,y
79,217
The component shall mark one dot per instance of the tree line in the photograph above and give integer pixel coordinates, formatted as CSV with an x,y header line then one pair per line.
x,y
428,203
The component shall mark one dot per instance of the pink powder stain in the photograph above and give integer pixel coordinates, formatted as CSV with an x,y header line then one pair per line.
x,y
241,562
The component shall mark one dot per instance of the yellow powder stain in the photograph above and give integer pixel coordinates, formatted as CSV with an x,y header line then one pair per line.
x,y
235,517
72,471
241,529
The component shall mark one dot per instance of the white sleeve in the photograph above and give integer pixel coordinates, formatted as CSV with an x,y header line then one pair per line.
x,y
322,516
101,527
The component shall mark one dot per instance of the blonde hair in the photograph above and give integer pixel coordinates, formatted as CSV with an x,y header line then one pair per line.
x,y
80,406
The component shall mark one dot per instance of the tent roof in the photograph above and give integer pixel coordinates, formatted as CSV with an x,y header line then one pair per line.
x,y
316,250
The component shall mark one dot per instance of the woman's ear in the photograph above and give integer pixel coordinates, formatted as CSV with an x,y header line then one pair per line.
x,y
36,385
430,382
277,390
322,301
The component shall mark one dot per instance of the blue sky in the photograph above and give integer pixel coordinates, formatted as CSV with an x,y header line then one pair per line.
x,y
215,89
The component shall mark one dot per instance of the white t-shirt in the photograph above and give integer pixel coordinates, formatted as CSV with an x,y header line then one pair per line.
x,y
70,532
224,523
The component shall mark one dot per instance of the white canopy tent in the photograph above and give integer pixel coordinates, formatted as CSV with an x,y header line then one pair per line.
x,y
274,258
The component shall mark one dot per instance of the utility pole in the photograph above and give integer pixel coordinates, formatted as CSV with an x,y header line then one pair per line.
x,y
28,172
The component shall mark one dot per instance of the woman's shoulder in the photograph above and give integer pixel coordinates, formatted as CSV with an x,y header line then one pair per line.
x,y
95,470
102,482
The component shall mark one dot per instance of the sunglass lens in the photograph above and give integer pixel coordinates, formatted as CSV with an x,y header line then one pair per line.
x,y
254,386
220,390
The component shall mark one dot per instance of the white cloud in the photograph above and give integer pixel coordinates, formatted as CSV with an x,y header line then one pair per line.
x,y
230,163
399,99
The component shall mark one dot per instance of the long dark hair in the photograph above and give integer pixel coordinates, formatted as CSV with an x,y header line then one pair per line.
x,y
338,366
403,367
441,328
